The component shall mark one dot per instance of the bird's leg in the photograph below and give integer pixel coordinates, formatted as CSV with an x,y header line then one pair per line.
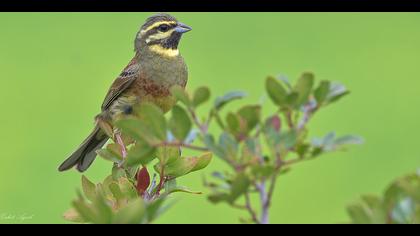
x,y
120,142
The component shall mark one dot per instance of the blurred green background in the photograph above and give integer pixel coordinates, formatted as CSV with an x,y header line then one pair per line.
x,y
55,69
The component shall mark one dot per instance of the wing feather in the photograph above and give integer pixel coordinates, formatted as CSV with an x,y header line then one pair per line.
x,y
124,80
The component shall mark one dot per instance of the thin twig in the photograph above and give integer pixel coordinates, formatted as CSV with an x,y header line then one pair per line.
x,y
289,119
263,199
249,208
271,190
209,118
203,128
258,131
306,116
161,182
293,161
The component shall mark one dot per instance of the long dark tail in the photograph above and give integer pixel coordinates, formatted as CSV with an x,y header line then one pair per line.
x,y
84,156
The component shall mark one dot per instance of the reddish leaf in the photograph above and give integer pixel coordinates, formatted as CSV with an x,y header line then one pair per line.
x,y
275,122
143,180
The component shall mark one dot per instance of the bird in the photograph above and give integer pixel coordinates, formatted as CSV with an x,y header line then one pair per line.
x,y
156,66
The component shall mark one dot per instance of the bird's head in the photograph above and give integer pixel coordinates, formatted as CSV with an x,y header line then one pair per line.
x,y
161,34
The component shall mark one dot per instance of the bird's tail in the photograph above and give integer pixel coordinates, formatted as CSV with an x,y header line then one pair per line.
x,y
86,153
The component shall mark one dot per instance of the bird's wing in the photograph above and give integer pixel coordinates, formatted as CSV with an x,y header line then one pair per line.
x,y
126,78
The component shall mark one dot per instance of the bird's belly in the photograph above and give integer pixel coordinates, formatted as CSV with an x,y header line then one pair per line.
x,y
156,92
144,90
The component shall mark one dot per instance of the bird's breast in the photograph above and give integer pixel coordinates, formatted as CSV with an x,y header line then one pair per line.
x,y
155,79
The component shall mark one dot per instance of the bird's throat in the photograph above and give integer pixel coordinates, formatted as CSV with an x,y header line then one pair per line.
x,y
165,52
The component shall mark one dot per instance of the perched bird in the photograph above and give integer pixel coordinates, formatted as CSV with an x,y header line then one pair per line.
x,y
148,77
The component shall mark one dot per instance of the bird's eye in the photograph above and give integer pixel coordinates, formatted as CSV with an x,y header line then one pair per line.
x,y
163,28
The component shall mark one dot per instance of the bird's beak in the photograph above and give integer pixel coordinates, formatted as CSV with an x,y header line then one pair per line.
x,y
182,28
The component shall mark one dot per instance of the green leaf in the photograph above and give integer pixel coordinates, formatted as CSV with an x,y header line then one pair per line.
x,y
185,165
228,145
110,153
251,114
375,207
358,214
168,155
213,147
84,210
133,213
304,87
154,118
154,209
336,92
370,210
216,115
180,123
348,139
286,81
404,210
252,146
329,138
289,138
107,155
140,153
73,216
172,187
218,197
203,161
321,92
233,123
239,186
115,149
127,188
406,186
331,143
327,143
276,91
102,209
272,138
302,149
118,172
89,188
201,95
116,191
183,189
291,99
138,130
263,171
104,187
316,152
181,95
416,219
181,167
169,185
225,99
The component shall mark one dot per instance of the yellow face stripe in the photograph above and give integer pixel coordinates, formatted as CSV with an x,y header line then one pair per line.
x,y
166,52
156,24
